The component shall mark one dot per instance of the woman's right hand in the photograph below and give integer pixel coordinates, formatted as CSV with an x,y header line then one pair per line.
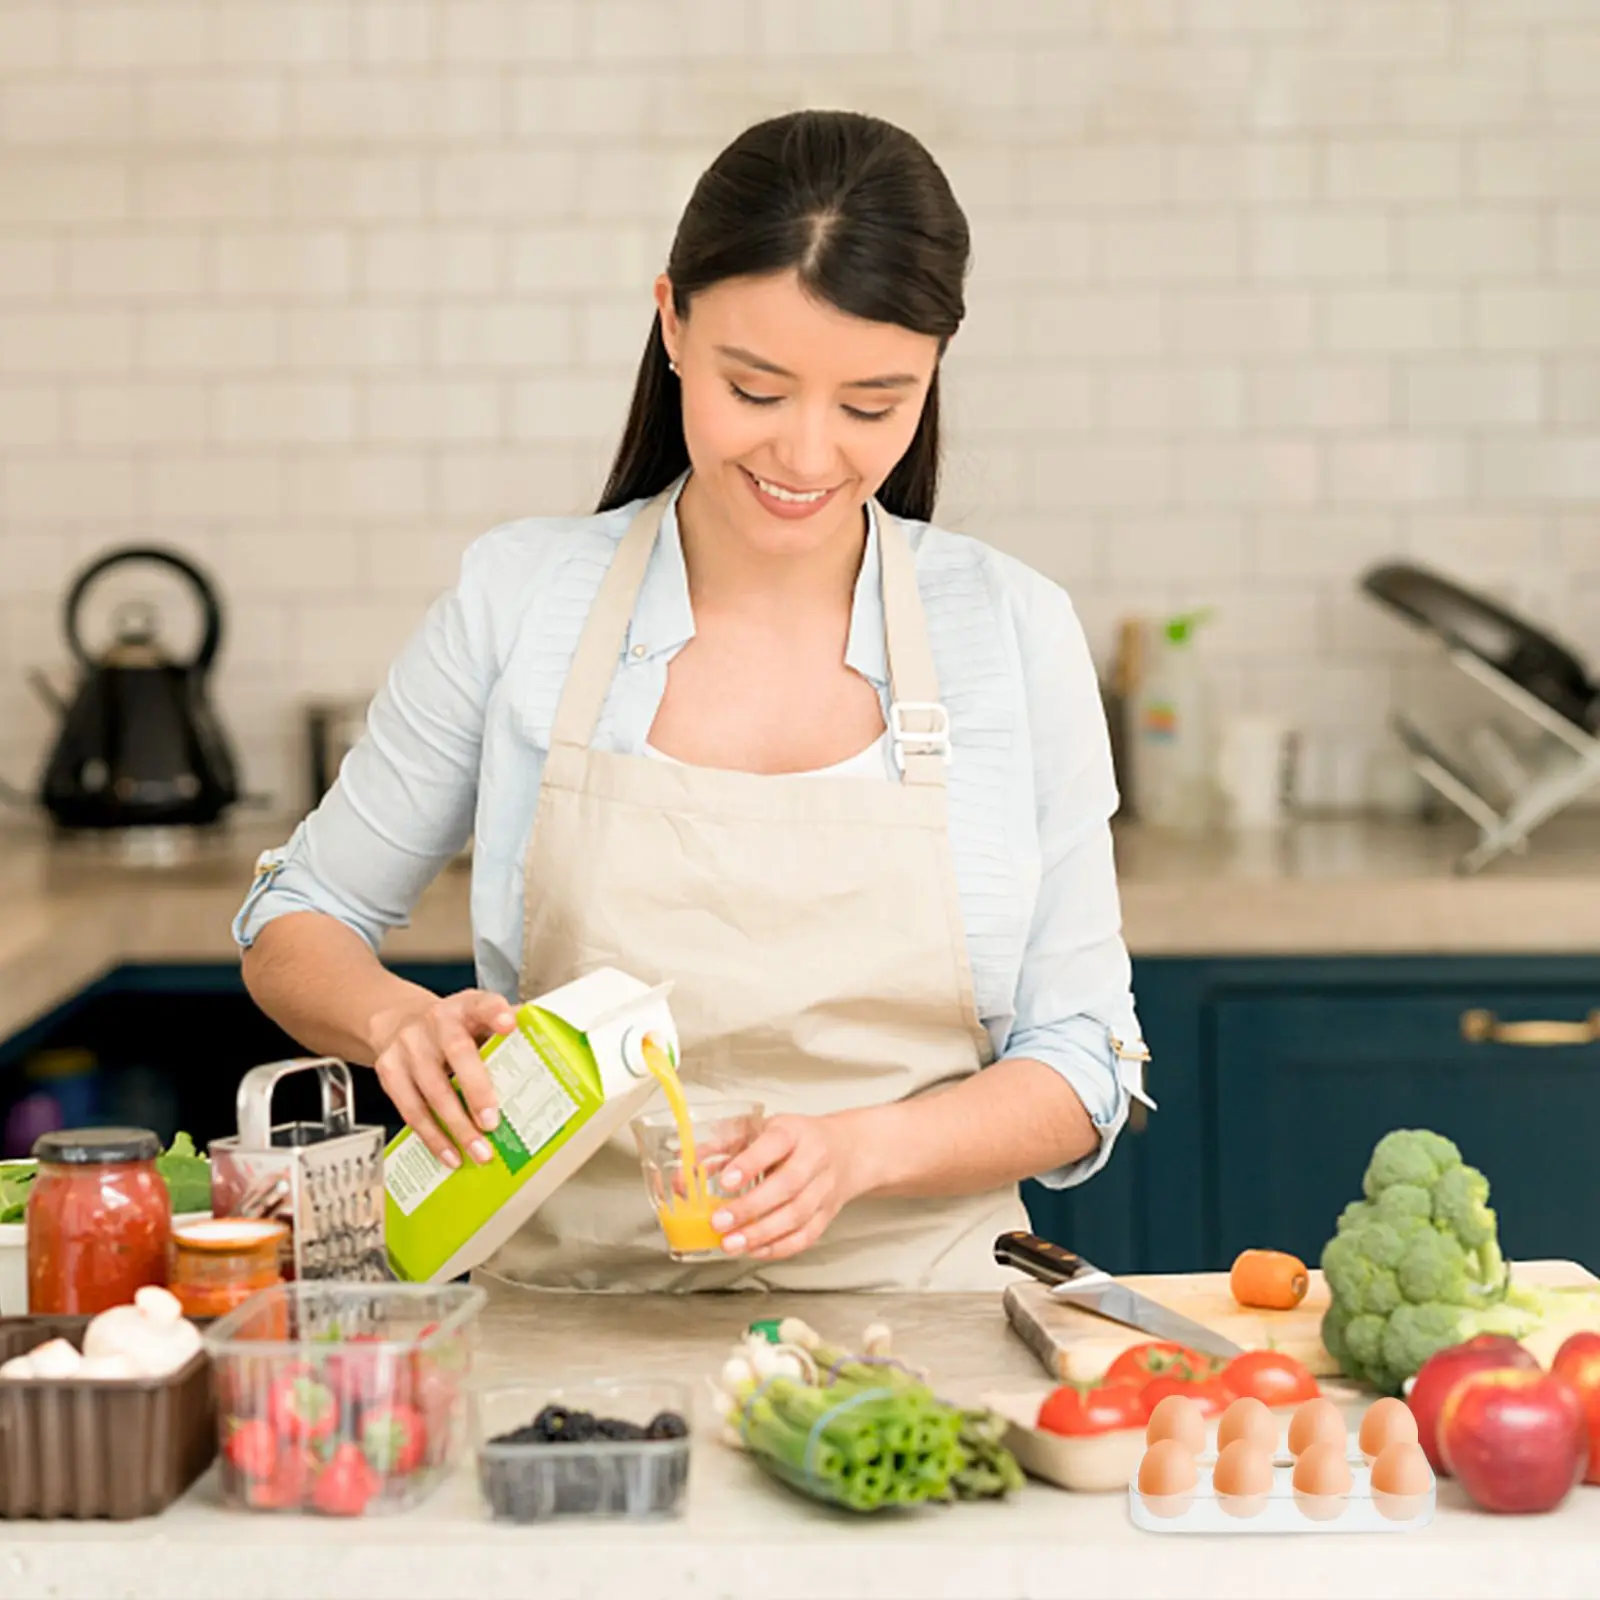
x,y
419,1050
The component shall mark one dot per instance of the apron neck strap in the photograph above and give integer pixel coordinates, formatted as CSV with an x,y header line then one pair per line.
x,y
594,664
919,725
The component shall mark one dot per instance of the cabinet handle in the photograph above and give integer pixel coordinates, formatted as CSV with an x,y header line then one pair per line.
x,y
1480,1027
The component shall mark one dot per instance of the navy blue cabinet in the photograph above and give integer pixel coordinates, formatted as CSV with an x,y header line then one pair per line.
x,y
1276,1077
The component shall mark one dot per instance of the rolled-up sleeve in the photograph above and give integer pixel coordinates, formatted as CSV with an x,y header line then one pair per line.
x,y
402,804
1074,1006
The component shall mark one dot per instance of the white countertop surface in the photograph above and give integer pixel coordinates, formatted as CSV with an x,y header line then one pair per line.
x,y
1341,886
746,1538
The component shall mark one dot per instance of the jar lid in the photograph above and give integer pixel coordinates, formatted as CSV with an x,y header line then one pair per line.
x,y
230,1233
82,1147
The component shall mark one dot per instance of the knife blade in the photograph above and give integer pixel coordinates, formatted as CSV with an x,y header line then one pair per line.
x,y
1078,1282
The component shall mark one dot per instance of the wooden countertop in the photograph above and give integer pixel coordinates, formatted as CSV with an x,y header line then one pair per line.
x,y
74,909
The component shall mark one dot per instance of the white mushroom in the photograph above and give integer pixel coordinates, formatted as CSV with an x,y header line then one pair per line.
x,y
108,1367
55,1359
154,1349
159,1306
17,1367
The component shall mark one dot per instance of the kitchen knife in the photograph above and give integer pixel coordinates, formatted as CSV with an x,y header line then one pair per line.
x,y
1078,1283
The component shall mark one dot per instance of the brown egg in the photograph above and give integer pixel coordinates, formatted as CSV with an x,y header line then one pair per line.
x,y
1167,1469
1243,1468
1387,1421
1321,1507
1322,1470
1248,1420
1177,1417
1316,1422
1401,1469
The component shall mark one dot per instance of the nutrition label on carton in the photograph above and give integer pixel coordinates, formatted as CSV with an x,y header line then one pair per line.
x,y
534,1107
534,1104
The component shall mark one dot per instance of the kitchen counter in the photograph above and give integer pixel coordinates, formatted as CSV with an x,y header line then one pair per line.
x,y
746,1538
1339,886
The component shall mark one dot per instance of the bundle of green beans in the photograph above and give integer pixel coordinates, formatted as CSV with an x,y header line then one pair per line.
x,y
867,1433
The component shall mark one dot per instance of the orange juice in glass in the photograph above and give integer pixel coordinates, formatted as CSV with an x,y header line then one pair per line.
x,y
683,1151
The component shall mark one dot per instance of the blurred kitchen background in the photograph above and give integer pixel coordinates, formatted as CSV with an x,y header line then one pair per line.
x,y
1284,320
1265,292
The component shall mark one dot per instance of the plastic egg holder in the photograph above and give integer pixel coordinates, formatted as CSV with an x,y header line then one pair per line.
x,y
1281,1509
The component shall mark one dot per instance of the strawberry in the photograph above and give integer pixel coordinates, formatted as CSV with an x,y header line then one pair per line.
x,y
393,1438
286,1489
346,1485
301,1406
252,1447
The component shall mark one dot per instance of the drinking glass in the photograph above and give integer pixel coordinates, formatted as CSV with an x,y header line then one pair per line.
x,y
721,1129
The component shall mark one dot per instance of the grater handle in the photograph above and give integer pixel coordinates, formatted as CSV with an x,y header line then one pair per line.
x,y
253,1102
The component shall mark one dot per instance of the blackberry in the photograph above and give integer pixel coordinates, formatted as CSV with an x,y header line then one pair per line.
x,y
616,1428
667,1425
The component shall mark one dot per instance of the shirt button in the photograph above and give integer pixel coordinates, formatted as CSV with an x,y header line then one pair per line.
x,y
638,652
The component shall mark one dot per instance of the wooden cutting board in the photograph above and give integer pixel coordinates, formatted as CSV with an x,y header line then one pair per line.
x,y
1077,1344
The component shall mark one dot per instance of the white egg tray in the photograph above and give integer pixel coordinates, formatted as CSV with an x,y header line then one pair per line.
x,y
1281,1509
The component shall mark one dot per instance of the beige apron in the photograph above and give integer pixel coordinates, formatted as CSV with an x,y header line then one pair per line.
x,y
812,932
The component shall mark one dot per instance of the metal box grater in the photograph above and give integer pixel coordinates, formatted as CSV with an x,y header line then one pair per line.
x,y
324,1179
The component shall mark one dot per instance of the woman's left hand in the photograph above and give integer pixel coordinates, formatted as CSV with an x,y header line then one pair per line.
x,y
809,1167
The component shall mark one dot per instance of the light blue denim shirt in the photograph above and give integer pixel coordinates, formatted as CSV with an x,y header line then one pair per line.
x,y
456,741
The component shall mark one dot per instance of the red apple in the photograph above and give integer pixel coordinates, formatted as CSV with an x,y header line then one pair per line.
x,y
1515,1440
1578,1361
1444,1369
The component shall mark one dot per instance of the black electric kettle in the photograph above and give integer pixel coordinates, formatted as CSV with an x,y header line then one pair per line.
x,y
139,744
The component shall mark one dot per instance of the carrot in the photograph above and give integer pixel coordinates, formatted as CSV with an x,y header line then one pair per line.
x,y
1272,1279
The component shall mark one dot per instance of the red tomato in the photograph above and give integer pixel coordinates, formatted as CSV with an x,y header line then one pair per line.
x,y
1209,1394
1093,1408
1270,1377
1161,1359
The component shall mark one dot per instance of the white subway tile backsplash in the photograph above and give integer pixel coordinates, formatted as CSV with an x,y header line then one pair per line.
x,y
1393,169
1397,470
245,338
432,411
1474,393
139,413
1472,246
1173,400
1263,292
137,267
1301,395
67,112
31,38
1337,246
1366,321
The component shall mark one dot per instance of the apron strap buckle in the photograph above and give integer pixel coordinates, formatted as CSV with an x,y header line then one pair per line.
x,y
927,741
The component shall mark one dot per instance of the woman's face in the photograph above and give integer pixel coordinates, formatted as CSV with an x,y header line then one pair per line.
x,y
794,412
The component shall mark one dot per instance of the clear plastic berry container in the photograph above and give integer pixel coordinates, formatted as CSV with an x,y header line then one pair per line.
x,y
613,1448
342,1399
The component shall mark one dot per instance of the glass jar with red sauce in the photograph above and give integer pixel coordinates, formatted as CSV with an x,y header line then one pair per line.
x,y
99,1220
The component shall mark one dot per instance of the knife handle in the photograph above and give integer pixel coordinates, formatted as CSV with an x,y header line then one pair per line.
x,y
1040,1259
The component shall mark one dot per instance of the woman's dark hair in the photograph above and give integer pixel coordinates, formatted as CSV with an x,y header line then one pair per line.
x,y
862,212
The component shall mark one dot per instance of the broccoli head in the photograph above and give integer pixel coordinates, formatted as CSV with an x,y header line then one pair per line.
x,y
1415,1265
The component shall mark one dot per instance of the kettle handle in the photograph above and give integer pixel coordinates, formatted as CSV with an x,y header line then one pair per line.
x,y
209,602
253,1100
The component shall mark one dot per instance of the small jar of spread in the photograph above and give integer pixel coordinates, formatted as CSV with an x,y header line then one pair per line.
x,y
219,1262
99,1220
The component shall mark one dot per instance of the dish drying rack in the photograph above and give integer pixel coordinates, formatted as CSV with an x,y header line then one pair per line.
x,y
1525,670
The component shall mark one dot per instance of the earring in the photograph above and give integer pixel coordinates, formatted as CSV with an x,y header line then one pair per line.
x,y
673,367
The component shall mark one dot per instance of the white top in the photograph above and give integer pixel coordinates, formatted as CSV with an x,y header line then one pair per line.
x,y
873,762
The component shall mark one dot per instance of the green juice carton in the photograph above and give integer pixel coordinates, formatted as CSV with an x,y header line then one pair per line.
x,y
571,1074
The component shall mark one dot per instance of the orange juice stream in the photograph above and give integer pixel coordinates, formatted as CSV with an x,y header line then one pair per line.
x,y
685,1218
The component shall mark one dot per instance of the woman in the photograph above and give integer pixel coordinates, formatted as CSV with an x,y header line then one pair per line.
x,y
757,727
